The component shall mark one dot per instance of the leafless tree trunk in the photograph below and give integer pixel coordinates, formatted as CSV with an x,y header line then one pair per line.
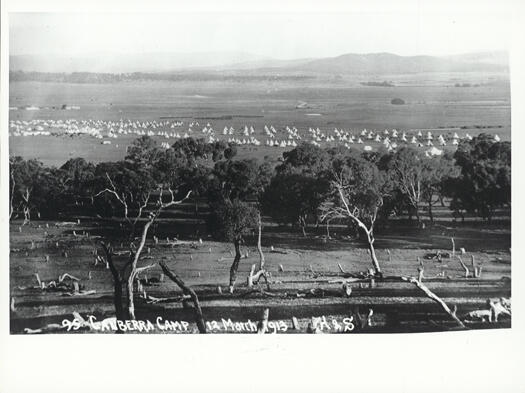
x,y
253,278
117,283
371,248
135,254
235,264
133,273
27,215
328,228
27,211
302,224
187,291
463,266
259,245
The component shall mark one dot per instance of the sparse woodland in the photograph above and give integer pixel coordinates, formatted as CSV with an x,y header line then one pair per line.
x,y
310,189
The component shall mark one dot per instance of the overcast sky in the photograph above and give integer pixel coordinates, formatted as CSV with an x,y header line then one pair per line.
x,y
416,27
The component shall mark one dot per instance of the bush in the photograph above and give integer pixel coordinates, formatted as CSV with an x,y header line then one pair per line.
x,y
397,101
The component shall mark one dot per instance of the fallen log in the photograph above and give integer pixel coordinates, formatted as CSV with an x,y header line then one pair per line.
x,y
187,291
434,297
253,278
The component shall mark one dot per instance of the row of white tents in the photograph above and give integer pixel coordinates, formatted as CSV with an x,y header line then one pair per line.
x,y
286,136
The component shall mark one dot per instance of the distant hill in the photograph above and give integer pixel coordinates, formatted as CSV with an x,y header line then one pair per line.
x,y
347,64
389,64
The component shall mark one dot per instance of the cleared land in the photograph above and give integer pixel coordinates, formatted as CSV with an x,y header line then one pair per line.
x,y
432,103
302,288
302,274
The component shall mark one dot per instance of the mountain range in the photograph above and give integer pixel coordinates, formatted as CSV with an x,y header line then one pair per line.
x,y
346,64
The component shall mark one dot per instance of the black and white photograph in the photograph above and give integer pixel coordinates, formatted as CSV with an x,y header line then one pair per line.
x,y
234,172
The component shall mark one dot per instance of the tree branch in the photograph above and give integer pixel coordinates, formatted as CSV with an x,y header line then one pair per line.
x,y
187,291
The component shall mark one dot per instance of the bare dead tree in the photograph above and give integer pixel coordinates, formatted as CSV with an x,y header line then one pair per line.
x,y
201,325
356,214
119,276
125,201
253,277
136,254
26,208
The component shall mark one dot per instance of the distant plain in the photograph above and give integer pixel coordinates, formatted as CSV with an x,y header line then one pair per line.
x,y
432,101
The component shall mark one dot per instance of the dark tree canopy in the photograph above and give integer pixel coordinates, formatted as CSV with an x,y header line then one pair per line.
x,y
232,220
307,159
291,198
484,183
34,187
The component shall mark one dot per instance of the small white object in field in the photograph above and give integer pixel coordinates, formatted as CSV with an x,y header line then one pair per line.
x,y
209,250
219,290
198,274
498,308
191,257
295,323
271,248
347,289
480,314
369,318
200,240
78,220
463,251
46,259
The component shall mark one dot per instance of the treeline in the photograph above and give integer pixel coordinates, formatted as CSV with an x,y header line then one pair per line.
x,y
309,184
476,178
92,77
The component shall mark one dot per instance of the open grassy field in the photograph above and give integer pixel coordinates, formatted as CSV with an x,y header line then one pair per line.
x,y
305,275
305,272
432,102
